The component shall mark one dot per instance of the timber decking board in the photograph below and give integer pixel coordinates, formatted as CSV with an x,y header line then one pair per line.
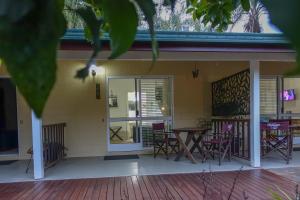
x,y
256,183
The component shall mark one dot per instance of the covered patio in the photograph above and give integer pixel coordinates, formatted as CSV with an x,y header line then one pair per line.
x,y
89,111
97,167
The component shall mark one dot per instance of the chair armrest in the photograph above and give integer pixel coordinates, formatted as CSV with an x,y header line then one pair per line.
x,y
214,134
161,133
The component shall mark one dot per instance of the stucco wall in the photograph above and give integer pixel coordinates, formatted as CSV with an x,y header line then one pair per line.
x,y
73,101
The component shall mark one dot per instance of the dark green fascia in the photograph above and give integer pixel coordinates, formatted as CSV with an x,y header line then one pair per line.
x,y
194,37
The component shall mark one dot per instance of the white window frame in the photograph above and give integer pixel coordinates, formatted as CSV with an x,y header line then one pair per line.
x,y
136,146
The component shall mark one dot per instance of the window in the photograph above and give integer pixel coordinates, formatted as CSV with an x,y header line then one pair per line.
x,y
268,96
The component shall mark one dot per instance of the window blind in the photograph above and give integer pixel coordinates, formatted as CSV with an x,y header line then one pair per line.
x,y
154,97
268,96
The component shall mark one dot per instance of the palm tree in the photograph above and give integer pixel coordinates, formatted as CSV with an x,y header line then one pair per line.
x,y
252,17
73,21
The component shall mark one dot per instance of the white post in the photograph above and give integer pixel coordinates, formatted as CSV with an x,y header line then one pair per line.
x,y
254,114
37,146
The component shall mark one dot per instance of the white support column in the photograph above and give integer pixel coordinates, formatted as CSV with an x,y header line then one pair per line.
x,y
37,145
254,114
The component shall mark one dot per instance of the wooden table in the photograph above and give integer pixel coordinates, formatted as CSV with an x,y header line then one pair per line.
x,y
191,136
115,132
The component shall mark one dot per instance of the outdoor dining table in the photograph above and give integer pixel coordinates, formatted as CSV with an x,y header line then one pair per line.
x,y
192,132
284,139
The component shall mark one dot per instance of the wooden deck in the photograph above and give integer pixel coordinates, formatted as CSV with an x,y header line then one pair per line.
x,y
255,183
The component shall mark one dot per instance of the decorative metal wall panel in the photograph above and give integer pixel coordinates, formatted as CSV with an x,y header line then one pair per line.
x,y
231,95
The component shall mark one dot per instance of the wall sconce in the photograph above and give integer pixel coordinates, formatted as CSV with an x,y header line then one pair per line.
x,y
96,72
195,72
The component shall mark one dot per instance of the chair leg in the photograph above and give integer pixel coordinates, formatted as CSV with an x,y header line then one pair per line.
x,y
229,153
220,154
28,164
167,149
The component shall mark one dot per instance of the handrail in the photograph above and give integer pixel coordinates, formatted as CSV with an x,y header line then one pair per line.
x,y
54,143
241,139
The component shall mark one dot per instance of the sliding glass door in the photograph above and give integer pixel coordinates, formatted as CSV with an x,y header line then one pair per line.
x,y
135,103
8,118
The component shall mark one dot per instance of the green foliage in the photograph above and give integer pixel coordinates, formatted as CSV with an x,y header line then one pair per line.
x,y
285,15
148,9
92,32
123,20
281,195
245,4
30,31
214,12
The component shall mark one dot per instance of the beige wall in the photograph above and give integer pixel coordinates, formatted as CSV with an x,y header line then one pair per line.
x,y
73,101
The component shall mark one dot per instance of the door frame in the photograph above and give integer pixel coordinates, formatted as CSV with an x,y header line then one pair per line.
x,y
135,146
18,124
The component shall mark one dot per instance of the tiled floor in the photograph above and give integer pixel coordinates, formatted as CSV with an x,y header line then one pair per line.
x,y
292,173
96,167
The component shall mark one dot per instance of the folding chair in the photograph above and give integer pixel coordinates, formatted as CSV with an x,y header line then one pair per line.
x,y
218,143
163,141
276,137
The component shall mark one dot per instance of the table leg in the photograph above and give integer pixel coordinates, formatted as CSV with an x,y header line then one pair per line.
x,y
184,147
196,144
115,133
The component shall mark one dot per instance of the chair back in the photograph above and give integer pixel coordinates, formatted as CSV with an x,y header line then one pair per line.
x,y
158,127
282,124
227,131
275,125
227,128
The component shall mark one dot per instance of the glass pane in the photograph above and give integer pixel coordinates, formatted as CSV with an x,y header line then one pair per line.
x,y
124,132
155,97
122,98
268,96
291,90
146,128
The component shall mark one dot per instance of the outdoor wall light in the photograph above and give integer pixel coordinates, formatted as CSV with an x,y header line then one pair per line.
x,y
195,72
96,71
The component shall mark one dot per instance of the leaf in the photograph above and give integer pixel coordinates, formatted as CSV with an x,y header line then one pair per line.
x,y
170,3
92,33
245,4
148,8
15,10
28,49
123,21
285,15
284,193
190,10
92,23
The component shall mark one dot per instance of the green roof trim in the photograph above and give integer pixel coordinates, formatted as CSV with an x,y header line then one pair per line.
x,y
194,37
